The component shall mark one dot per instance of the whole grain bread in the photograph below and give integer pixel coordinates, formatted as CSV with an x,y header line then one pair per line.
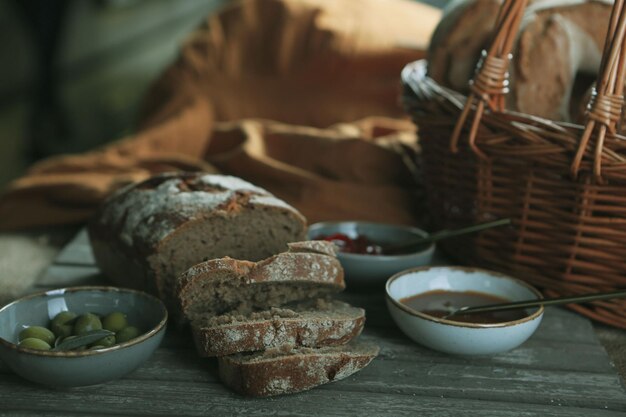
x,y
228,286
148,233
556,54
275,372
313,323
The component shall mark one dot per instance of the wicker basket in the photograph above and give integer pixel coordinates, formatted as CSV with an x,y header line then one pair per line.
x,y
563,185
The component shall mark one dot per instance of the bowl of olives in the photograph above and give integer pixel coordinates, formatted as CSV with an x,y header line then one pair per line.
x,y
81,335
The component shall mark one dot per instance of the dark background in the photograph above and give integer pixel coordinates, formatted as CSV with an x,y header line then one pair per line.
x,y
73,71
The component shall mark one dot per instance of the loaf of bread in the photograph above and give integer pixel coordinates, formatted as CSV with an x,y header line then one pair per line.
x,y
148,233
312,323
275,372
178,235
229,286
556,57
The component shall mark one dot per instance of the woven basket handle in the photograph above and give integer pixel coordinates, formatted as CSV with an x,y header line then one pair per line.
x,y
605,106
490,83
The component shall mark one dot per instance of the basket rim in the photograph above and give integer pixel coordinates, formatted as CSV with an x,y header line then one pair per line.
x,y
557,138
417,71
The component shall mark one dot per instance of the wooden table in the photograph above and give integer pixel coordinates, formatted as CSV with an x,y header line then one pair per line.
x,y
561,371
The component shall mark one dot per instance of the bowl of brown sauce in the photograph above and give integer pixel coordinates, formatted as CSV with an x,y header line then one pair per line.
x,y
420,299
372,252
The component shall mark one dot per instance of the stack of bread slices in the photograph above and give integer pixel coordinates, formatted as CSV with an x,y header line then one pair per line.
x,y
267,317
271,323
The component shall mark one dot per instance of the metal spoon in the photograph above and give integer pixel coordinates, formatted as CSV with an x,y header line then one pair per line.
x,y
445,234
536,303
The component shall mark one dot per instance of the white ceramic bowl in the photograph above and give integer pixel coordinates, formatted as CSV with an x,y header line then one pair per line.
x,y
370,270
453,337
88,367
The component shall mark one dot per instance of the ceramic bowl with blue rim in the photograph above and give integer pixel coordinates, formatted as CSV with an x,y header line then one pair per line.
x,y
449,334
71,368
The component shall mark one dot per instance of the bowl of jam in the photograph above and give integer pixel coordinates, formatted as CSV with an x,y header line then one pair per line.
x,y
420,301
372,252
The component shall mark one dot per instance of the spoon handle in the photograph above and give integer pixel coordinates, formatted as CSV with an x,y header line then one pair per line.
x,y
444,234
536,303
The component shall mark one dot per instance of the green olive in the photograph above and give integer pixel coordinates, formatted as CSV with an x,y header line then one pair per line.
x,y
115,321
37,332
87,322
126,334
62,330
34,343
105,342
63,323
64,317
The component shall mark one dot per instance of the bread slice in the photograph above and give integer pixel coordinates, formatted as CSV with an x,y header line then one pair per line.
x,y
148,233
275,372
230,286
313,323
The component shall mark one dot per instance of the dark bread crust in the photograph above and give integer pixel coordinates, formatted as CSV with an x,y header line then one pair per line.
x,y
337,324
209,283
133,228
295,371
314,246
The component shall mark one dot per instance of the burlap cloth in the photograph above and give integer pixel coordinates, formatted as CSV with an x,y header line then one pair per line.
x,y
305,71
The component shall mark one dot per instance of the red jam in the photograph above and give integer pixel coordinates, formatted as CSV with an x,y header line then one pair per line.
x,y
361,244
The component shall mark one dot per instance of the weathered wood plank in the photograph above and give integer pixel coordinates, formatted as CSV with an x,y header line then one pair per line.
x,y
193,399
451,377
77,251
70,275
531,355
433,379
397,348
561,371
547,355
